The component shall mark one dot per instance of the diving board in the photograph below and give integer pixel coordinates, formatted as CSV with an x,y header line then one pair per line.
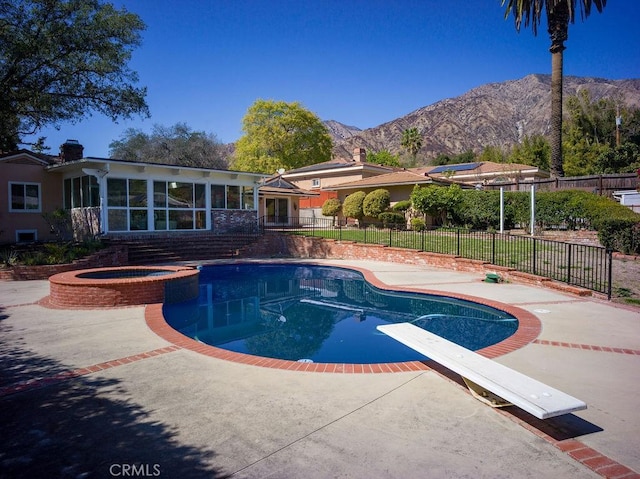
x,y
489,381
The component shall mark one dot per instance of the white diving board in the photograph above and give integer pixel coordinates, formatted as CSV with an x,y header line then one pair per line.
x,y
489,381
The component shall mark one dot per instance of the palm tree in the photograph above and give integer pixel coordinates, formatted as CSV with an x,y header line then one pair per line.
x,y
412,142
559,14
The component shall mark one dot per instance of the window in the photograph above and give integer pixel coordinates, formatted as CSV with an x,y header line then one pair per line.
x,y
179,205
315,183
26,236
247,197
127,204
81,192
24,197
233,198
218,196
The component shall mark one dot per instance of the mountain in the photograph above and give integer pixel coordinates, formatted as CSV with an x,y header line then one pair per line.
x,y
495,114
339,131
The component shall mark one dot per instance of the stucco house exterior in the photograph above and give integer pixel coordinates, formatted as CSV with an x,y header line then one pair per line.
x,y
27,190
321,177
399,184
111,197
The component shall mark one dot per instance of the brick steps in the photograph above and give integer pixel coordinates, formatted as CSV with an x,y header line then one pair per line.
x,y
185,248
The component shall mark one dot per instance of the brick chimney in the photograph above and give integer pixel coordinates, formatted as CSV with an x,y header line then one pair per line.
x,y
71,150
359,154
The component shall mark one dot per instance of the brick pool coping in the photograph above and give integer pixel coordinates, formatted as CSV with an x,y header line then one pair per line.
x,y
78,289
529,328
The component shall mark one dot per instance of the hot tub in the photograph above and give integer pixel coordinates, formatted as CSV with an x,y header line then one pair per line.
x,y
122,286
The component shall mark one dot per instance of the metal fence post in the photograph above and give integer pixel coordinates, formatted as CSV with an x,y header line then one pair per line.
x,y
458,242
493,248
609,254
534,259
569,264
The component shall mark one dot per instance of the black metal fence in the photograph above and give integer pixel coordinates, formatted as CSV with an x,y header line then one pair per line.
x,y
576,264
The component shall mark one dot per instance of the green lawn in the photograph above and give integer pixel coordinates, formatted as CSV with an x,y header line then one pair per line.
x,y
586,265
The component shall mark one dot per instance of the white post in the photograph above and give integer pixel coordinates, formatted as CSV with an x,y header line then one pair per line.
x,y
502,209
533,208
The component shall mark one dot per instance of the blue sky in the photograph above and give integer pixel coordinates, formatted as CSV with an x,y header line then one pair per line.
x,y
360,62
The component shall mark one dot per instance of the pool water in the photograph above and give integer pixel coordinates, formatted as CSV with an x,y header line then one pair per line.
x,y
323,314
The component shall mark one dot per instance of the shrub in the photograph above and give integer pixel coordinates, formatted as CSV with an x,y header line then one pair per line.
x,y
418,224
376,202
620,234
331,207
352,205
437,201
391,219
403,205
479,209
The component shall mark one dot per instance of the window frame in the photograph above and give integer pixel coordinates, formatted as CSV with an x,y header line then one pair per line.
x,y
24,184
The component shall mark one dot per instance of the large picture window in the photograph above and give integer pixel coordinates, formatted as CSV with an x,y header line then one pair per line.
x,y
127,204
179,205
25,197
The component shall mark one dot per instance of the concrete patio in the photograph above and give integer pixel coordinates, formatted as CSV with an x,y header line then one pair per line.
x,y
96,393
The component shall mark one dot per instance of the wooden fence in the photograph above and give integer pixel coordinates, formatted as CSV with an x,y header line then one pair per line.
x,y
603,185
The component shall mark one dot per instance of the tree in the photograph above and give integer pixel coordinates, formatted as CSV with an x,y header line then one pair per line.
x,y
174,145
62,60
383,157
411,142
280,135
621,159
437,201
494,154
559,13
352,205
331,207
534,150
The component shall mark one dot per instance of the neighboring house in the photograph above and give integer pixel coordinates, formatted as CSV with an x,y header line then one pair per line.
x,y
628,198
399,184
321,177
113,197
280,201
485,172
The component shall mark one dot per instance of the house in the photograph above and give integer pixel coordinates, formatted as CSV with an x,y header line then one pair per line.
x,y
321,177
280,200
27,190
111,197
399,184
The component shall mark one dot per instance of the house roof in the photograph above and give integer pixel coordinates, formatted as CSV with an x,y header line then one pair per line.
x,y
277,185
395,178
106,161
26,156
336,164
483,170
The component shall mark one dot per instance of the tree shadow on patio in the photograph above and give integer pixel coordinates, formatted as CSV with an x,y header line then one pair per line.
x,y
84,427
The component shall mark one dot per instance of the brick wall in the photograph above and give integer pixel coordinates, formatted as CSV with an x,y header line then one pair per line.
x,y
228,221
116,255
278,245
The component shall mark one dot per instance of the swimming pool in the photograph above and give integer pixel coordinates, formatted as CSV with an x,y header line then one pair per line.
x,y
323,314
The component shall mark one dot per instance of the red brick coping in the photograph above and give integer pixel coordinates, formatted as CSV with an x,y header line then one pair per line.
x,y
529,328
123,286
